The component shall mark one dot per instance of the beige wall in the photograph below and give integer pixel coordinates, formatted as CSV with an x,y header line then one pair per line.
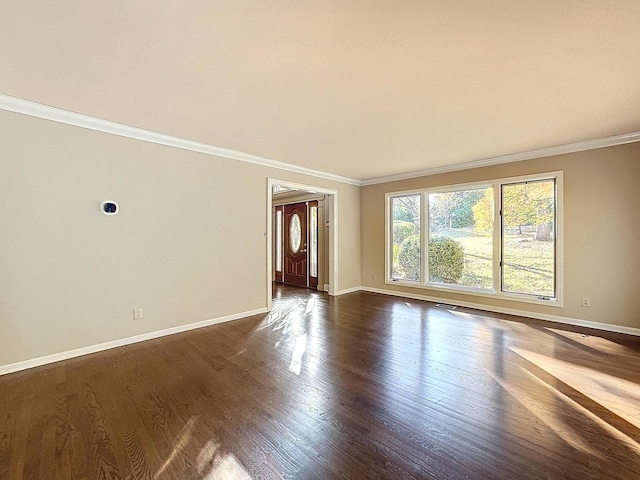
x,y
188,244
601,232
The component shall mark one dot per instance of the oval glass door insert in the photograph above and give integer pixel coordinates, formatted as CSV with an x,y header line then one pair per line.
x,y
295,233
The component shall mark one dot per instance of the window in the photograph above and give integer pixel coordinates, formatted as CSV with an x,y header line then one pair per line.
x,y
295,233
405,234
278,239
528,250
461,237
499,238
313,255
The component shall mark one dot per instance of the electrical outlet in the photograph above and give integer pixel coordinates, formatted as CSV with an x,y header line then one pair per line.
x,y
586,302
137,313
373,276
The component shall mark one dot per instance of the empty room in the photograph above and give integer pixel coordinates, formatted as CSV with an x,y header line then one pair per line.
x,y
318,240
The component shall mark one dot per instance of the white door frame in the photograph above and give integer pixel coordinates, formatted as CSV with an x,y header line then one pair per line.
x,y
332,203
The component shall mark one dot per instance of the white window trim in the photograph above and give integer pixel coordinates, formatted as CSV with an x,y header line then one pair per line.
x,y
495,292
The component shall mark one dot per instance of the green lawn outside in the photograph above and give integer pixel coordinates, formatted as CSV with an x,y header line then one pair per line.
x,y
528,264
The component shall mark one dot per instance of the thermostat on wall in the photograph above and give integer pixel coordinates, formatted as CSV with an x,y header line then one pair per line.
x,y
109,207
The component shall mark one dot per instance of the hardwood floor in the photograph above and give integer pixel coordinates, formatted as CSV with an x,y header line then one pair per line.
x,y
358,386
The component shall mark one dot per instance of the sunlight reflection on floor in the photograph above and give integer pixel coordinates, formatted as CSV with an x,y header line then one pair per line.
x,y
212,463
183,439
620,396
490,321
311,305
214,466
597,343
562,429
297,354
289,317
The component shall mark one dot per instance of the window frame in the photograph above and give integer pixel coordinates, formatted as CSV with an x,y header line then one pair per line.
x,y
496,290
389,241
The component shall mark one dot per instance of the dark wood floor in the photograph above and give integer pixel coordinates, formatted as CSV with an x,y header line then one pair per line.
x,y
358,386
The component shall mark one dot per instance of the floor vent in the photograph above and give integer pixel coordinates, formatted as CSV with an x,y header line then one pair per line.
x,y
447,306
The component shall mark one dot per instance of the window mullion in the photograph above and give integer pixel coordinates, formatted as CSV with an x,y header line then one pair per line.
x,y
497,237
424,237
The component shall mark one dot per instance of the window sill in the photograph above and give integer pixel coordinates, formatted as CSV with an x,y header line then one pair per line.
x,y
476,292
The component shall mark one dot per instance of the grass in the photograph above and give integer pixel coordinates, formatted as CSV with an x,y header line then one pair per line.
x,y
528,263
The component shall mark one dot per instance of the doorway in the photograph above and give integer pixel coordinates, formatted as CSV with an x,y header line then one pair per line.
x,y
302,220
298,243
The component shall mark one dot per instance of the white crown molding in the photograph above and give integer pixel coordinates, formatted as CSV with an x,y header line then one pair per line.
x,y
514,157
78,352
26,107
607,327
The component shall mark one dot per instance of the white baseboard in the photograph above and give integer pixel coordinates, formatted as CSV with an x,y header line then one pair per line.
x,y
326,287
510,311
56,357
348,290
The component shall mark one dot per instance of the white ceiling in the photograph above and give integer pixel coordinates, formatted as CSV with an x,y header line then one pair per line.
x,y
357,88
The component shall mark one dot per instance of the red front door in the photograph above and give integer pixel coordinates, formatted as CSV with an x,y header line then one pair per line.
x,y
295,244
